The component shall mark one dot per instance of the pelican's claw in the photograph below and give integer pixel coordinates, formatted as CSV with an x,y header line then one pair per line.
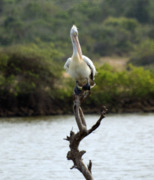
x,y
86,87
77,90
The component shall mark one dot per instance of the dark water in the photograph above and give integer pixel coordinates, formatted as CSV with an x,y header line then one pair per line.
x,y
33,148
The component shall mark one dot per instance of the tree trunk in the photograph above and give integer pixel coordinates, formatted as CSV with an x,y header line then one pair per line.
x,y
75,138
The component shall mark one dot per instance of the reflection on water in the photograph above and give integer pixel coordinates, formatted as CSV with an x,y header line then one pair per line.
x,y
121,149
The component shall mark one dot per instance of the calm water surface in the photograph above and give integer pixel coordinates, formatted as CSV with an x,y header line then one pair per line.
x,y
33,148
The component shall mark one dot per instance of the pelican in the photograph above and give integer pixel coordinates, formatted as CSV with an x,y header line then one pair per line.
x,y
80,67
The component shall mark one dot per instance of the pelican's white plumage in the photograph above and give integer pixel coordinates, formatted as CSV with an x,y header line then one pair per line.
x,y
80,67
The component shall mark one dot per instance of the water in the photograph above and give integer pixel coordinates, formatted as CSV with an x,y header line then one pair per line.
x,y
33,148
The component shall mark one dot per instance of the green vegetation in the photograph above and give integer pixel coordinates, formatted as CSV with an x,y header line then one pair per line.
x,y
28,78
106,27
35,42
119,88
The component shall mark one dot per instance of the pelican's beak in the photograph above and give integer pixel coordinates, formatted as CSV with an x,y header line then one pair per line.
x,y
76,40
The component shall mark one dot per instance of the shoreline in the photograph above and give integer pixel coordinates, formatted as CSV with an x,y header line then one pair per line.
x,y
135,107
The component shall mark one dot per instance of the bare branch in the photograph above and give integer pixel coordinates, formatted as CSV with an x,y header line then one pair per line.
x,y
82,117
90,165
97,124
78,111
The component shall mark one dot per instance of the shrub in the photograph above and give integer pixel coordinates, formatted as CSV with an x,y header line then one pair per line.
x,y
113,86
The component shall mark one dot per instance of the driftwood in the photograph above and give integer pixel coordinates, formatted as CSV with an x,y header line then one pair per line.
x,y
75,138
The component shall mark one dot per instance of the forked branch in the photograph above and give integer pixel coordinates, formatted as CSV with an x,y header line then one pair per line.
x,y
75,138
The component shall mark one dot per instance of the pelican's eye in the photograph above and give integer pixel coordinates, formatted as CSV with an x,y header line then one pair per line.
x,y
75,34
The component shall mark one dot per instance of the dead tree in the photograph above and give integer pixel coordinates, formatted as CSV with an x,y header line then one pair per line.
x,y
75,138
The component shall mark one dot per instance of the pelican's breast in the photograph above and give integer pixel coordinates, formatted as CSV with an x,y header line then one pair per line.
x,y
79,69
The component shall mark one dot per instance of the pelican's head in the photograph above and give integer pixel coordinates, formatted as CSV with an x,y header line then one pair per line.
x,y
75,40
74,31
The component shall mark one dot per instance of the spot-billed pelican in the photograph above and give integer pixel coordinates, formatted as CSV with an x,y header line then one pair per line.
x,y
80,67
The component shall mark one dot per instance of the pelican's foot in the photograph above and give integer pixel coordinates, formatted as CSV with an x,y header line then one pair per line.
x,y
86,87
77,90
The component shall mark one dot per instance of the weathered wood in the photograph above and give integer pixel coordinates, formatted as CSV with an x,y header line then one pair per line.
x,y
75,138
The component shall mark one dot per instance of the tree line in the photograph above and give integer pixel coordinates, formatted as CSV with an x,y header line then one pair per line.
x,y
35,42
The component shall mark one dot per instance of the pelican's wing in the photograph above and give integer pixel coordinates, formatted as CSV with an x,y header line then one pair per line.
x,y
66,65
91,65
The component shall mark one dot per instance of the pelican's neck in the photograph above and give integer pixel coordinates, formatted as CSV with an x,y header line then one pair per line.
x,y
77,50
